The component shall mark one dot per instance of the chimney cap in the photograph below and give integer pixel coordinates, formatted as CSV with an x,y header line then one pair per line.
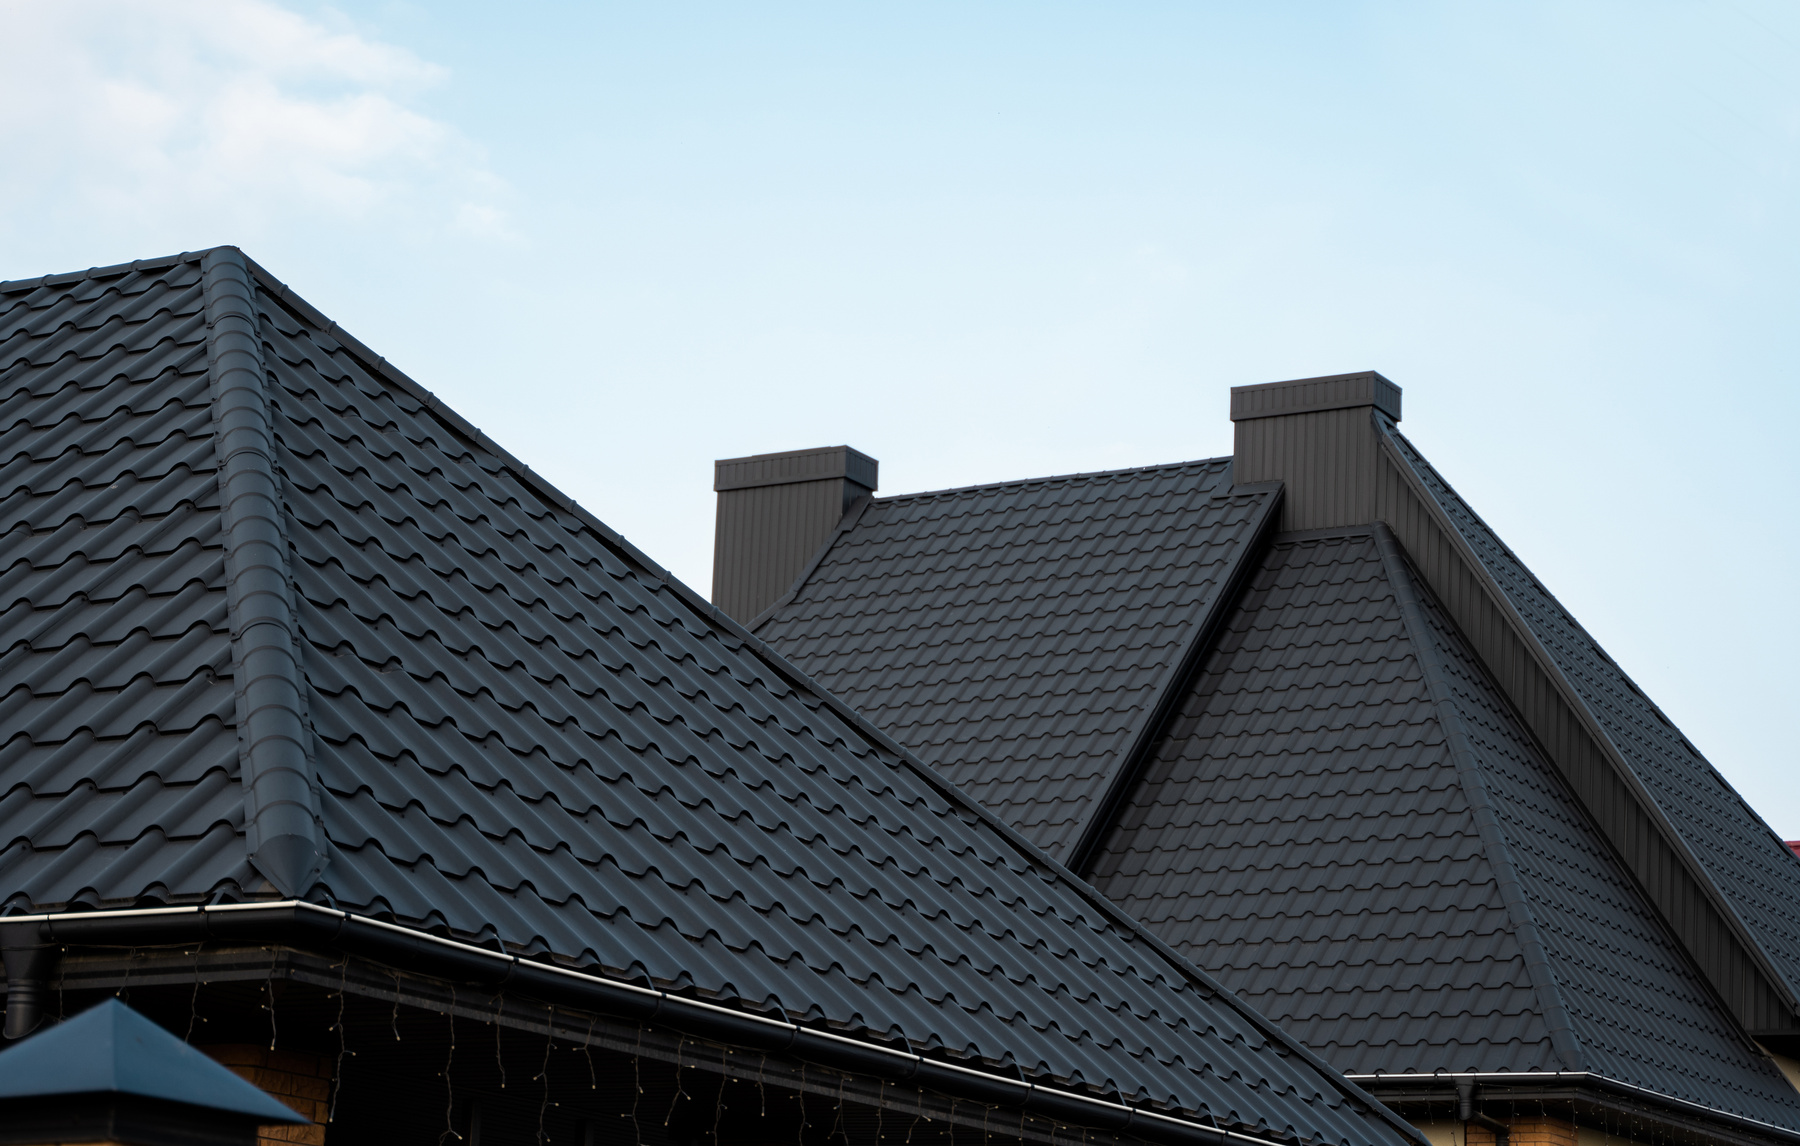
x,y
1307,395
792,466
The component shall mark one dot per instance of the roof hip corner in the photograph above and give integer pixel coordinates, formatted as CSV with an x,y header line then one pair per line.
x,y
281,808
1410,465
1525,928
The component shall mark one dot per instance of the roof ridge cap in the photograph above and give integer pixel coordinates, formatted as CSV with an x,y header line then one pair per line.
x,y
1085,474
281,809
1525,925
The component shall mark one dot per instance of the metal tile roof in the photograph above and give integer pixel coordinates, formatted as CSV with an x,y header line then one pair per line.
x,y
1348,825
1395,875
1018,636
512,724
1302,832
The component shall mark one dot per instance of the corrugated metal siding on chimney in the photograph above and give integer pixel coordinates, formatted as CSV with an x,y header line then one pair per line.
x,y
775,510
1327,459
1318,436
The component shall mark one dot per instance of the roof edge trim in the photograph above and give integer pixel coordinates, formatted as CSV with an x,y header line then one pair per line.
x,y
435,406
1589,723
281,807
1169,691
297,920
800,681
1487,821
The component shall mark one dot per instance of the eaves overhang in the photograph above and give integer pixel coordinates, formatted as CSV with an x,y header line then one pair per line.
x,y
311,926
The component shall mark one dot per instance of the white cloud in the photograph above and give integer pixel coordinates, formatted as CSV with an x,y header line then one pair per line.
x,y
189,122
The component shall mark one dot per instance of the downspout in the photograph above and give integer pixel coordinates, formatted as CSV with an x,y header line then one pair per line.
x,y
1468,1115
281,807
27,957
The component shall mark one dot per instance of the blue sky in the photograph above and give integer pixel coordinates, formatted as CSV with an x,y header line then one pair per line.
x,y
989,241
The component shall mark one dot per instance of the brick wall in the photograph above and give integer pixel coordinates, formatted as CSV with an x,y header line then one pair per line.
x,y
301,1081
1528,1132
1542,1132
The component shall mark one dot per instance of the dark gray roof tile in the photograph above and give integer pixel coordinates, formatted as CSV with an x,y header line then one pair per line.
x,y
90,873
522,731
1016,636
1309,833
54,770
1751,867
120,816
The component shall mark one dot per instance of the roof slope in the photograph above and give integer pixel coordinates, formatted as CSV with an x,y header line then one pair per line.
x,y
1019,636
1755,872
1348,825
506,722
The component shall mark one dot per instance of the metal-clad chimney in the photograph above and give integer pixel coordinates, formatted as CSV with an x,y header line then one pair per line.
x,y
1316,435
775,510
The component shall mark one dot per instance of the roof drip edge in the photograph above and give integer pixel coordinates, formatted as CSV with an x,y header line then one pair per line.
x,y
281,807
305,924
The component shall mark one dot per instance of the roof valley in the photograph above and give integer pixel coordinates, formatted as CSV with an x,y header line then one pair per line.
x,y
1096,819
1259,845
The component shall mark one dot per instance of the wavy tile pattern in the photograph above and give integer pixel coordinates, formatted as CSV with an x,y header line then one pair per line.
x,y
1305,835
119,757
1638,1008
523,733
1016,635
1755,871
1301,833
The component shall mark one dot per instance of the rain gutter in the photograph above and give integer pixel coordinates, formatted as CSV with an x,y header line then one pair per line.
x,y
311,925
1457,1082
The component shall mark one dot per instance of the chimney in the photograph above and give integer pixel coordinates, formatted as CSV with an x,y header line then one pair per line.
x,y
1317,435
775,510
